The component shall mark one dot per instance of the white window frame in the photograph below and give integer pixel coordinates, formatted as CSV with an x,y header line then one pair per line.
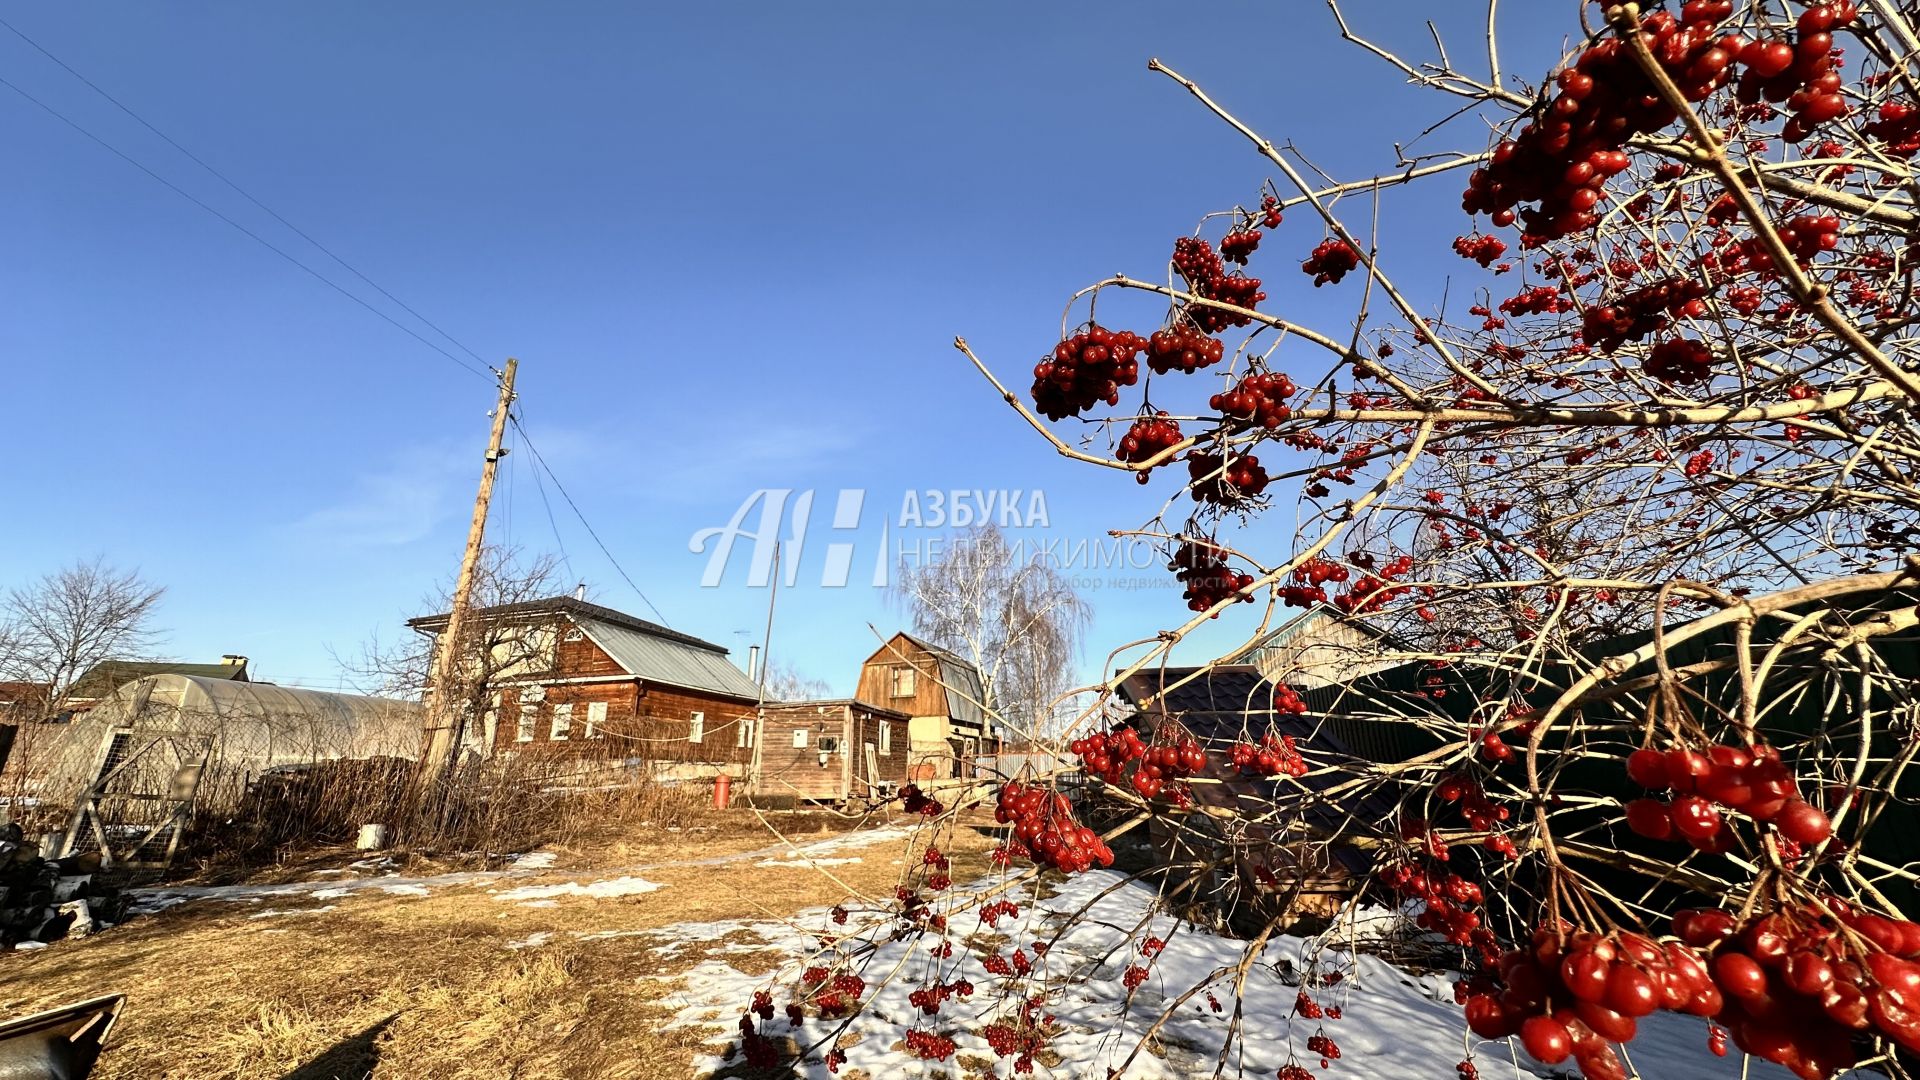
x,y
523,727
908,674
799,738
560,728
886,739
744,736
697,727
596,720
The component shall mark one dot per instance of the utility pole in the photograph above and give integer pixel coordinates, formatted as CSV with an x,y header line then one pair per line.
x,y
440,743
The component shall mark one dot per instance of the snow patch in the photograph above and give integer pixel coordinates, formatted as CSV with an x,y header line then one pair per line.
x,y
599,890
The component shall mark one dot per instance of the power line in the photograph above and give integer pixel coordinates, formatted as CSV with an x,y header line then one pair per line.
x,y
561,488
249,233
541,486
243,192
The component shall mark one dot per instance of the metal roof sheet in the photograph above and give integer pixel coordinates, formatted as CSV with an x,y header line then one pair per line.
x,y
672,660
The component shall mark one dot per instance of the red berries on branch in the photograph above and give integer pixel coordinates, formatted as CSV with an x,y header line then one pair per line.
x,y
1045,829
1485,250
1225,481
1679,361
1202,568
1332,258
1259,398
1149,435
1183,347
1207,277
1270,756
1086,369
1106,754
1238,244
1801,74
1752,781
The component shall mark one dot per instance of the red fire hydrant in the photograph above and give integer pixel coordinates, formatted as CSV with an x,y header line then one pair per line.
x,y
722,791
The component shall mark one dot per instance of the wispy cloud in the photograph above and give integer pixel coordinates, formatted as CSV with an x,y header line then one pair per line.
x,y
396,504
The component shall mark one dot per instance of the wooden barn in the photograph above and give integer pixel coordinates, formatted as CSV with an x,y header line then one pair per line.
x,y
944,698
831,751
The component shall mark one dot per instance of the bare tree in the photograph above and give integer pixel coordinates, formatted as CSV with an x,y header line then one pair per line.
x,y
784,682
55,629
1017,619
492,649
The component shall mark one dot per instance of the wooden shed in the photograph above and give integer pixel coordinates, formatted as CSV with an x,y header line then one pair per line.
x,y
830,751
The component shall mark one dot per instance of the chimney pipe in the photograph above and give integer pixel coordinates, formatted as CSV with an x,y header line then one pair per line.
x,y
753,662
580,591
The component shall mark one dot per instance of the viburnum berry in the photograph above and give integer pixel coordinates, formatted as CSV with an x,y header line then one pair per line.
x,y
1149,436
1045,827
1207,278
1202,567
1331,260
1224,481
1680,361
1182,347
1237,245
1260,398
1085,370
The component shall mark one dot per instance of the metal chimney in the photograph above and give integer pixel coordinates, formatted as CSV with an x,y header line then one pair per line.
x,y
753,662
580,591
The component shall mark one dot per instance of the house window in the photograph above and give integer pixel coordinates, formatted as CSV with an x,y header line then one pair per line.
x,y
886,738
697,727
744,737
903,680
596,720
523,731
562,723
799,738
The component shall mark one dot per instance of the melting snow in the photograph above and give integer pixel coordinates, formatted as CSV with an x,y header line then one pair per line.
x,y
620,886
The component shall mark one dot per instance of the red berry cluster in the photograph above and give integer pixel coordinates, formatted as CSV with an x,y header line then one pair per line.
x,y
1294,1072
1898,125
1045,829
991,914
1308,578
1562,159
1332,258
1644,311
1481,812
1571,994
1798,982
1322,1043
1269,757
1182,346
1238,244
928,1046
1106,754
1207,277
1259,398
1288,700
1800,74
1375,591
1753,781
1679,361
928,999
1020,1038
1485,250
1224,481
1149,435
1202,568
1086,369
914,801
1446,898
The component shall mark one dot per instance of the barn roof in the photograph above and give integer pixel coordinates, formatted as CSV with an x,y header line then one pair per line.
x,y
966,690
647,650
103,678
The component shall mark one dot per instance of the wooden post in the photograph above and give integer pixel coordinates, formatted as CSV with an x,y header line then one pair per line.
x,y
440,742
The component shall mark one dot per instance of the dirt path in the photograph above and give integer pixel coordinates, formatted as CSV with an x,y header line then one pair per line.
x,y
525,971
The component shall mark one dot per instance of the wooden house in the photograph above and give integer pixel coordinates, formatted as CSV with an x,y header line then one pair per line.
x,y
944,698
571,679
831,751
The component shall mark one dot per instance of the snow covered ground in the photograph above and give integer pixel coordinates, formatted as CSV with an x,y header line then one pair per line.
x,y
1394,1024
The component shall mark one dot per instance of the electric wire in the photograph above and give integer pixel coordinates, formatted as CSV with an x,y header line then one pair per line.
x,y
527,441
242,229
243,192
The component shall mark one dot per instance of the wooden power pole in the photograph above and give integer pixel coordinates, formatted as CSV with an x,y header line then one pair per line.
x,y
442,711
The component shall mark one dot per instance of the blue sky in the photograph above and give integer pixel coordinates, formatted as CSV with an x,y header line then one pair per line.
x,y
730,246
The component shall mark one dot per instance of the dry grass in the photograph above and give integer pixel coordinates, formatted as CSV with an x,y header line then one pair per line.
x,y
390,986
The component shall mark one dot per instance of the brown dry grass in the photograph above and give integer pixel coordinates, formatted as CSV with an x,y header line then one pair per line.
x,y
391,986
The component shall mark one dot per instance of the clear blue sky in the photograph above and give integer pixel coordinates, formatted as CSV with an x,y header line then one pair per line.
x,y
729,244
